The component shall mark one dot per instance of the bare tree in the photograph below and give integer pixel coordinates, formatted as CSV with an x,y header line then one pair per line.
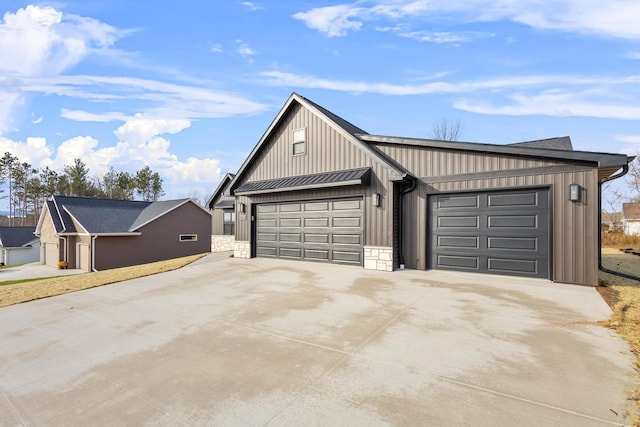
x,y
446,130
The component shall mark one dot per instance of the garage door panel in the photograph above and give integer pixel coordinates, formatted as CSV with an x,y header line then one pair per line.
x,y
512,221
267,251
512,265
317,254
348,257
452,202
285,252
513,243
467,262
347,239
458,221
319,230
505,232
316,206
347,205
316,238
459,241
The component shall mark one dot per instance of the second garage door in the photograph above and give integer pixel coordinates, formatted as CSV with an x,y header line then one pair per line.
x,y
499,232
318,230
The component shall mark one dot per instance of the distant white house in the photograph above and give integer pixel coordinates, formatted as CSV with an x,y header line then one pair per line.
x,y
19,245
631,218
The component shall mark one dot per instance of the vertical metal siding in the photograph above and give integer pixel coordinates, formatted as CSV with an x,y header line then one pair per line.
x,y
327,151
574,226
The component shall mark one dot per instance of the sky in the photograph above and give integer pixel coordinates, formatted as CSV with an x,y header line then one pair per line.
x,y
188,88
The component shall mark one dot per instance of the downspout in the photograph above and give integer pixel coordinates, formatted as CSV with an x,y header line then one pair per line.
x,y
409,189
93,253
622,173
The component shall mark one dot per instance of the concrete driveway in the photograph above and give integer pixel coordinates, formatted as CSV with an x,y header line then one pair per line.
x,y
34,270
265,342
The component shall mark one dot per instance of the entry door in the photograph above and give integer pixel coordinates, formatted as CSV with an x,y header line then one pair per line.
x,y
497,232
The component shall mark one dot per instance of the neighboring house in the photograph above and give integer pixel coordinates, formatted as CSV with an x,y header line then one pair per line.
x,y
99,234
223,216
612,222
316,187
19,245
631,218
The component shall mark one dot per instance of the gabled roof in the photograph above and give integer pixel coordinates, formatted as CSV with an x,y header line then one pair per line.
x,y
223,183
306,182
631,210
347,129
560,143
106,216
16,237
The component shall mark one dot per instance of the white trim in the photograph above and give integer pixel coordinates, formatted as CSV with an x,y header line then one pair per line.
x,y
86,232
78,253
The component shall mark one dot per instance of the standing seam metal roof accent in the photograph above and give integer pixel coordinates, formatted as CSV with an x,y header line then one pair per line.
x,y
361,175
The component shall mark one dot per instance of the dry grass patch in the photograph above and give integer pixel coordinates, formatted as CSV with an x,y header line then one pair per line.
x,y
620,240
623,295
36,289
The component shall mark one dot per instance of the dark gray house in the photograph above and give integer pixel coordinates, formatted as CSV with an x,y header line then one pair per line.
x,y
99,234
316,187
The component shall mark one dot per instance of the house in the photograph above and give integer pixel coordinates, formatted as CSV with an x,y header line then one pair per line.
x,y
316,187
611,222
19,245
223,216
631,218
99,234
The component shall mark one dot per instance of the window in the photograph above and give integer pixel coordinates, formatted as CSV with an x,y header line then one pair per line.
x,y
228,223
188,237
299,142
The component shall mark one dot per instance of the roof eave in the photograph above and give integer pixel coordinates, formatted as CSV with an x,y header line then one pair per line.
x,y
302,187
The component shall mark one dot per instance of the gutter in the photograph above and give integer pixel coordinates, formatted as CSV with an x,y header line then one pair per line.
x,y
93,253
403,192
622,173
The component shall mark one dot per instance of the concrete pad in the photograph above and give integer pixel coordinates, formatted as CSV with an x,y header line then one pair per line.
x,y
266,342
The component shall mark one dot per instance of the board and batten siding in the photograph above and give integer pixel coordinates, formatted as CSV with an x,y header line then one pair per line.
x,y
217,215
327,150
574,226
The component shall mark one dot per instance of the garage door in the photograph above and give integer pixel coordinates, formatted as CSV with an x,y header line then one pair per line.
x,y
82,251
319,230
51,254
500,232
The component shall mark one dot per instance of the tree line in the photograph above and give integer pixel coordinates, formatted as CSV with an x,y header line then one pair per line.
x,y
26,188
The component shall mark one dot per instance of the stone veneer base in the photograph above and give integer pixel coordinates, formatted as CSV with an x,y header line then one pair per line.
x,y
378,258
222,243
241,249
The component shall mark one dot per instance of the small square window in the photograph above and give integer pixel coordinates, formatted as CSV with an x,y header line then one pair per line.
x,y
188,237
299,142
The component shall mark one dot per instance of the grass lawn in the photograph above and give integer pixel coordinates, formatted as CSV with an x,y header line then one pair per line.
x,y
23,291
623,295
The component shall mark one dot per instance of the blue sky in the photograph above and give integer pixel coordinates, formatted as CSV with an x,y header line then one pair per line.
x,y
189,87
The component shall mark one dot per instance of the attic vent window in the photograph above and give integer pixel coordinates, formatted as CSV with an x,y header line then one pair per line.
x,y
299,142
188,237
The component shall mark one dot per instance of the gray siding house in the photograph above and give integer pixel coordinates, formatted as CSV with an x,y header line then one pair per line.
x,y
316,187
19,245
100,234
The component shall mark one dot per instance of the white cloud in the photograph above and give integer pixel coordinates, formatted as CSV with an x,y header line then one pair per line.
x,y
333,20
632,55
610,18
244,49
558,104
442,37
251,6
631,139
42,41
83,116
140,143
216,48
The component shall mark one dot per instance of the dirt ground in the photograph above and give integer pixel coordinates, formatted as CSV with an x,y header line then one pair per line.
x,y
614,259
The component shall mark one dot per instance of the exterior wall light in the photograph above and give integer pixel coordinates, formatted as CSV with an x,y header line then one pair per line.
x,y
375,200
574,192
241,207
